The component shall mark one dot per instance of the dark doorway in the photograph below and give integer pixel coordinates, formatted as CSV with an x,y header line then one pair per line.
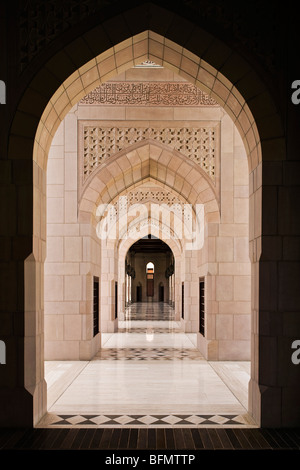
x,y
150,287
96,306
116,299
161,293
182,300
201,306
138,293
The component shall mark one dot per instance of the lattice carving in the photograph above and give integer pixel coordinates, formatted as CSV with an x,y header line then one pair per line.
x,y
154,196
100,143
158,197
148,94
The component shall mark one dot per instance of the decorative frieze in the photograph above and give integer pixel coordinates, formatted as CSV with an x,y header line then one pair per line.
x,y
196,143
148,94
155,196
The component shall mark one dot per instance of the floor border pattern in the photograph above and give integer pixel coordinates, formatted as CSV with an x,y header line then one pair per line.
x,y
90,420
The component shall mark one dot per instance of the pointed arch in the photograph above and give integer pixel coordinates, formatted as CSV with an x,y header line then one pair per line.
x,y
168,169
112,56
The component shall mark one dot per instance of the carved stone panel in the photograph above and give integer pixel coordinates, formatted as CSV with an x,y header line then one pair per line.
x,y
102,142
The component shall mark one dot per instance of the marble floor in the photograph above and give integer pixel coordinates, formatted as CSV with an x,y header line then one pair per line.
x,y
149,373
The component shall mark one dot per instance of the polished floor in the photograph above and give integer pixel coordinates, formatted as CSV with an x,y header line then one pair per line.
x,y
148,374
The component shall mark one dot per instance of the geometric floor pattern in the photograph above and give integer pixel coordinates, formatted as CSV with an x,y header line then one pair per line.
x,y
153,311
148,354
92,420
145,330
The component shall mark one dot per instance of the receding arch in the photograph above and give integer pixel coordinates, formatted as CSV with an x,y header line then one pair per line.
x,y
123,247
166,144
153,228
192,185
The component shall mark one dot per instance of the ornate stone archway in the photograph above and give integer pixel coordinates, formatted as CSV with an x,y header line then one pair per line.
x,y
205,76
168,53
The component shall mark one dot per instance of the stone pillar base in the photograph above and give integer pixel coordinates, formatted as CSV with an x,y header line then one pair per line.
x,y
272,407
254,408
208,348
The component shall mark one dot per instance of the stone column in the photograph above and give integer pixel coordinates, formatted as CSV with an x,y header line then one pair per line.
x,y
274,387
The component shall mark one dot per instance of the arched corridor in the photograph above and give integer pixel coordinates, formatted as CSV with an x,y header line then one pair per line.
x,y
164,179
148,253
176,104
149,263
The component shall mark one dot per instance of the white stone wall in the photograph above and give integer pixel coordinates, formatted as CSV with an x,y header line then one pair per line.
x,y
72,258
225,262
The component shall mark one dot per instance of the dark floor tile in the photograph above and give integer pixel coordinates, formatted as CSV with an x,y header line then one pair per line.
x,y
245,444
133,436
179,438
231,433
170,441
58,437
258,435
79,439
106,438
207,443
279,439
160,439
115,438
268,435
29,439
142,438
96,439
293,437
87,439
217,444
188,439
184,439
43,441
252,438
14,437
151,438
198,443
226,443
124,439
69,438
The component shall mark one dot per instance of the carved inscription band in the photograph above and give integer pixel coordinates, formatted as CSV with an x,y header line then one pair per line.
x,y
148,94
